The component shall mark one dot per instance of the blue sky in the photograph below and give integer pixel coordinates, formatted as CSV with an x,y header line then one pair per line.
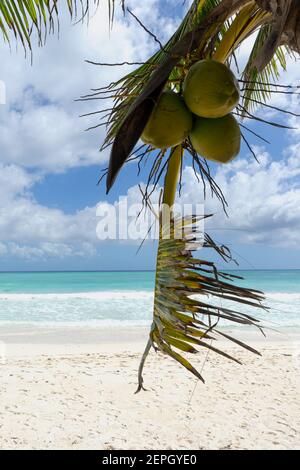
x,y
50,166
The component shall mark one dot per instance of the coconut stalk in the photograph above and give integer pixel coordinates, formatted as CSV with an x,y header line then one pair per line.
x,y
169,194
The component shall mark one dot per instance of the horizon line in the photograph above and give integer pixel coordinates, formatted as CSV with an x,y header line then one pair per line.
x,y
129,270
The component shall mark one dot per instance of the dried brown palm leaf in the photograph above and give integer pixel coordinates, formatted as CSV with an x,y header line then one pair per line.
x,y
187,309
188,290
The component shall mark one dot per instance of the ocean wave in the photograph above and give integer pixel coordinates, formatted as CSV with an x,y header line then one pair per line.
x,y
108,294
123,308
100,295
88,324
284,296
76,307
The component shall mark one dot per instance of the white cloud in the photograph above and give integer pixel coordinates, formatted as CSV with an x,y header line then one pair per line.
x,y
30,230
39,125
14,180
48,139
259,212
3,249
263,200
40,133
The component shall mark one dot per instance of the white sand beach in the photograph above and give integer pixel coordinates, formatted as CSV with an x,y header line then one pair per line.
x,y
62,390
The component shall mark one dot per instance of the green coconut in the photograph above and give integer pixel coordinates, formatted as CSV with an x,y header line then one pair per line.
x,y
170,122
210,89
216,139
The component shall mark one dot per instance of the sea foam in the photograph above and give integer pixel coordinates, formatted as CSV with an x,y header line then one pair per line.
x,y
124,308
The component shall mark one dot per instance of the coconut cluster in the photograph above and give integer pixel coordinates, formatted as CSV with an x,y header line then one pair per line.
x,y
210,93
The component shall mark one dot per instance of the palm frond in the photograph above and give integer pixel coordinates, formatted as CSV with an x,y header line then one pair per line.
x,y
188,296
257,84
135,94
246,21
20,19
128,87
210,29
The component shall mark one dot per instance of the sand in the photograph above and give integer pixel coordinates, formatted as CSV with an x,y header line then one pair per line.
x,y
66,390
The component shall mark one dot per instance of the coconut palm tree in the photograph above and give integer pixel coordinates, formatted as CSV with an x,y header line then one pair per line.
x,y
211,29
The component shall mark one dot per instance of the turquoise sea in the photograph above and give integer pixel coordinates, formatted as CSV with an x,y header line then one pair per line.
x,y
123,298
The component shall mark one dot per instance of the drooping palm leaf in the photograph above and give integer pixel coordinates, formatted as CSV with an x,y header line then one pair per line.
x,y
256,83
23,18
181,321
187,308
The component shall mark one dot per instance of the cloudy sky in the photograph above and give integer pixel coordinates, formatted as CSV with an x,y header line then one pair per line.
x,y
49,166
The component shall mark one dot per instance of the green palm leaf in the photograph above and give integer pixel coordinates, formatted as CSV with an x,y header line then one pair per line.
x,y
257,83
20,19
212,28
135,94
